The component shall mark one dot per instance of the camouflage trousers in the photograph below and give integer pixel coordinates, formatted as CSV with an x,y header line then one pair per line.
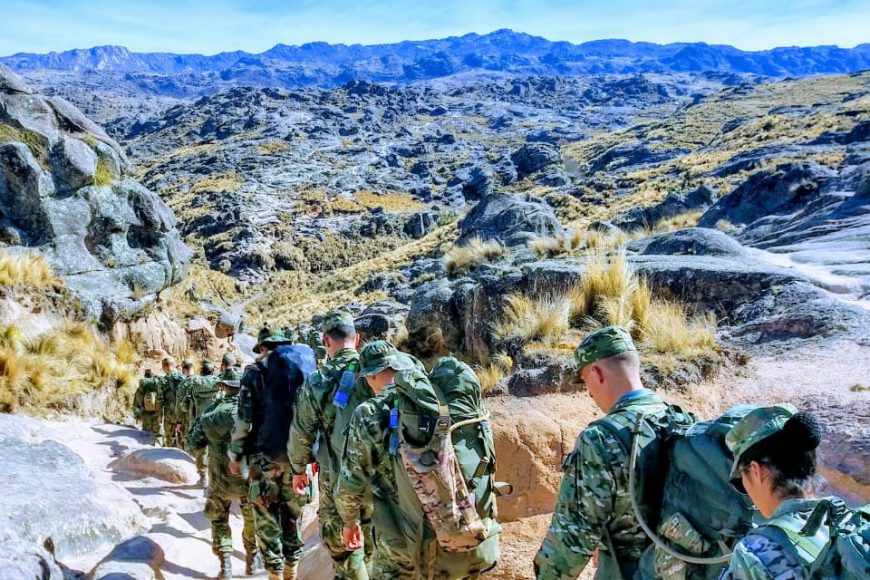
x,y
346,565
388,562
151,422
169,436
217,511
201,457
277,511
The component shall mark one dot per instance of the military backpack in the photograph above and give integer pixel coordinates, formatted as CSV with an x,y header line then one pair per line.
x,y
833,543
688,508
441,436
149,401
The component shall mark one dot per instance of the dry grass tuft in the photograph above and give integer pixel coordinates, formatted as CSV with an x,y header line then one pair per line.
x,y
61,368
462,259
104,174
227,182
31,270
530,318
500,365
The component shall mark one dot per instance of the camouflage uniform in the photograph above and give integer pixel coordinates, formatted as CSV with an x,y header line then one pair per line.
x,y
200,392
594,510
318,419
757,557
367,472
214,429
277,507
171,383
152,421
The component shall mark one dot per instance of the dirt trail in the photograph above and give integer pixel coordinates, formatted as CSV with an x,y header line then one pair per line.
x,y
175,510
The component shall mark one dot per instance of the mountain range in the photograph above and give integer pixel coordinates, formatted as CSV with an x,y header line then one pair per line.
x,y
503,51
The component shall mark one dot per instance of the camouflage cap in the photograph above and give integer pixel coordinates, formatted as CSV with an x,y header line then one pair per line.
x,y
207,366
276,338
604,342
379,355
187,364
337,319
264,333
754,427
229,359
231,378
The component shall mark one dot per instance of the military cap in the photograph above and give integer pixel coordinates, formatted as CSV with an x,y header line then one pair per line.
x,y
276,338
169,361
337,319
604,342
756,426
207,366
379,355
229,359
231,378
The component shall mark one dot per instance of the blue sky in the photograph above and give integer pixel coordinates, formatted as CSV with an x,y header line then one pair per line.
x,y
209,26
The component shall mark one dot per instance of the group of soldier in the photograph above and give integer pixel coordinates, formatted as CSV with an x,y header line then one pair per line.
x,y
263,447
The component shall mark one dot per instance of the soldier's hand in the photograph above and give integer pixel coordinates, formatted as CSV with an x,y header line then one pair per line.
x,y
353,538
235,467
300,484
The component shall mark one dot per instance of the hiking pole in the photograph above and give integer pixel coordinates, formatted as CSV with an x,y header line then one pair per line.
x,y
708,561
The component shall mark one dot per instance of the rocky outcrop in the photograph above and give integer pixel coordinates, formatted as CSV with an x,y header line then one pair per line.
x,y
674,204
510,219
77,512
66,190
138,558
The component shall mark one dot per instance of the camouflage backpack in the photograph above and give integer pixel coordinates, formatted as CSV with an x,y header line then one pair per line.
x,y
689,510
440,435
833,543
149,401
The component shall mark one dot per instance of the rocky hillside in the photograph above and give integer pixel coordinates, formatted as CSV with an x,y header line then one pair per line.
x,y
66,190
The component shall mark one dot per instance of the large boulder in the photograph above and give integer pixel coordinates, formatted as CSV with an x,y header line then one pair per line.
x,y
66,190
676,203
533,157
510,219
23,561
166,463
691,242
767,192
77,512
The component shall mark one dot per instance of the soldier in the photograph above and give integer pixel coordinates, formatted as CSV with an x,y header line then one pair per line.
x,y
187,368
324,407
774,462
148,405
228,363
593,516
171,383
367,469
214,429
200,392
260,434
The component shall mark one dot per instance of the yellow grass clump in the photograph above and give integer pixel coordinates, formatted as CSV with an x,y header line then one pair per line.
x,y
31,270
59,369
462,259
489,375
528,318
228,182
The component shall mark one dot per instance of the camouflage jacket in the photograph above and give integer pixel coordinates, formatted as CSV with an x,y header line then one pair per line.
x,y
366,467
316,416
213,429
594,502
757,557
148,385
171,383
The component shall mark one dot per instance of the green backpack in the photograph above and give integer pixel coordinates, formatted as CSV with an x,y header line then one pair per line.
x,y
841,551
689,510
441,437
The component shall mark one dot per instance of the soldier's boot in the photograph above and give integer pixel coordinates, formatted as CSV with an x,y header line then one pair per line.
x,y
253,563
291,571
226,572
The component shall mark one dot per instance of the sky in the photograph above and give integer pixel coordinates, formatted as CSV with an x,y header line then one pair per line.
x,y
210,26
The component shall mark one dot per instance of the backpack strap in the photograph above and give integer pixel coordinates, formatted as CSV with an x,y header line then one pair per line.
x,y
783,539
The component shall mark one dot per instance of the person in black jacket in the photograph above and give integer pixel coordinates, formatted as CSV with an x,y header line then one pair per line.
x,y
262,424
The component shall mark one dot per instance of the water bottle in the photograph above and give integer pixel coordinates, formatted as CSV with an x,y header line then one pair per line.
x,y
345,384
394,428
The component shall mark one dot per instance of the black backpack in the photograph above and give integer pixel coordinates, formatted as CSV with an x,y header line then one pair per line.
x,y
289,366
